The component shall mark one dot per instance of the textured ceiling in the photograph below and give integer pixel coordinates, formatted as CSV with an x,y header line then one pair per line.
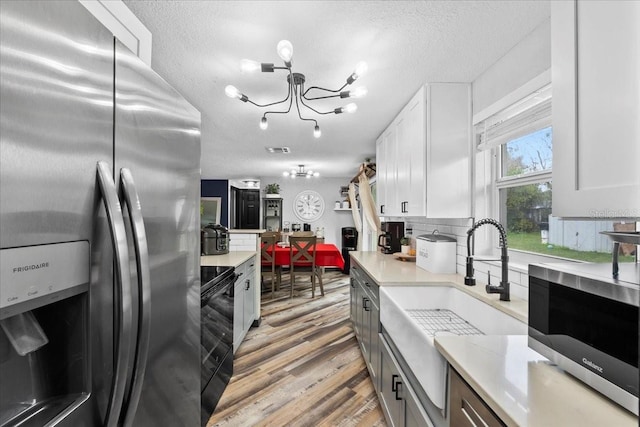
x,y
198,46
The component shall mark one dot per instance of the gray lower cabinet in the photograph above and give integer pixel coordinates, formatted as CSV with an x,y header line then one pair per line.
x,y
467,408
365,315
244,301
399,402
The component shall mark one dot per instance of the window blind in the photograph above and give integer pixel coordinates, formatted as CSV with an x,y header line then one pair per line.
x,y
525,116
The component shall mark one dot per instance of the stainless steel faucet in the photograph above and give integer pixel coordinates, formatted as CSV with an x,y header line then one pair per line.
x,y
469,280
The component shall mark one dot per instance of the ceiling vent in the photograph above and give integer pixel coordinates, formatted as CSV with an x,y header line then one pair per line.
x,y
279,150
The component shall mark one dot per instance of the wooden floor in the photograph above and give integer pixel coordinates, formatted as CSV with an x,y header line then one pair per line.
x,y
302,366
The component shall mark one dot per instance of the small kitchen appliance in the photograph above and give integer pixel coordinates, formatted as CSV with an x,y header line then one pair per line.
x,y
214,240
389,239
349,243
436,253
384,243
586,321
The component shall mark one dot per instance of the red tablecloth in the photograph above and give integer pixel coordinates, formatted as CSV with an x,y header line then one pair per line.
x,y
327,255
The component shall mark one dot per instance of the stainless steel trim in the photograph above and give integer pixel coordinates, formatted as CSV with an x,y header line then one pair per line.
x,y
594,279
129,196
617,394
471,414
122,311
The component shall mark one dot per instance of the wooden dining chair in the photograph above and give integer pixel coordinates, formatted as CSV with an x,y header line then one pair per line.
x,y
302,260
275,234
268,265
303,234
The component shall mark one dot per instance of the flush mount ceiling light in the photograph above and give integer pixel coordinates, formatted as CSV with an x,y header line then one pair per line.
x,y
293,173
296,91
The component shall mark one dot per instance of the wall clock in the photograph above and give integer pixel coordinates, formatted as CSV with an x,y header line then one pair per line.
x,y
308,205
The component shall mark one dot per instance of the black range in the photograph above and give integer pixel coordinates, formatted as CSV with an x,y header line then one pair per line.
x,y
216,336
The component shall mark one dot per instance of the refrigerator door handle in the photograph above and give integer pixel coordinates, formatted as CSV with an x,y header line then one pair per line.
x,y
123,315
129,196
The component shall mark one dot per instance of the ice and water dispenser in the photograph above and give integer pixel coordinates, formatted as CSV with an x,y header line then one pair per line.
x,y
44,342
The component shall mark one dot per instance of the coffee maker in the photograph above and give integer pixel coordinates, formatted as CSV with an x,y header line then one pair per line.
x,y
389,239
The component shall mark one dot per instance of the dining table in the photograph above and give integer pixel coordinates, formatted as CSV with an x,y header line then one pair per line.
x,y
327,255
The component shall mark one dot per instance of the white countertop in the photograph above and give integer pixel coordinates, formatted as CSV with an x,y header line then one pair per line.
x,y
523,388
232,259
386,270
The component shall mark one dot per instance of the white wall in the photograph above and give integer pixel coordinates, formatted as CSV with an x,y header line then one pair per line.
x,y
329,189
526,60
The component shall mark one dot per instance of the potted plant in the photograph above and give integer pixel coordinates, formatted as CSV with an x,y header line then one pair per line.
x,y
272,191
405,245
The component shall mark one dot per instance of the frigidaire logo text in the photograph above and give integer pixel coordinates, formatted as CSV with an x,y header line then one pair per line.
x,y
590,363
26,268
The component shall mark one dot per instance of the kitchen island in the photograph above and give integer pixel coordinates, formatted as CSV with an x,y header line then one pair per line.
x,y
516,383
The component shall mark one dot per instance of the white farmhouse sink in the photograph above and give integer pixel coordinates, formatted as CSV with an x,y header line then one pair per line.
x,y
401,310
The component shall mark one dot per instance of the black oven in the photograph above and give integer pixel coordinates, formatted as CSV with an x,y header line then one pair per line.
x,y
586,322
216,336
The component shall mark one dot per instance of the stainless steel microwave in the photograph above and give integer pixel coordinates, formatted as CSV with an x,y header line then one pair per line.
x,y
586,322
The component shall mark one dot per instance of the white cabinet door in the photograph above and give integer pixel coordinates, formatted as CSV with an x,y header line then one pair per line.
x,y
402,164
381,174
595,60
449,144
426,155
392,205
416,148
249,295
238,312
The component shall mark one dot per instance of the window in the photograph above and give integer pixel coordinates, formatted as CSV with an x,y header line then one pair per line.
x,y
521,138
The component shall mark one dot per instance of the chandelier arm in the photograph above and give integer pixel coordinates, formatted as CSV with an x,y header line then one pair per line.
x,y
303,98
321,97
296,95
316,111
281,112
273,103
324,89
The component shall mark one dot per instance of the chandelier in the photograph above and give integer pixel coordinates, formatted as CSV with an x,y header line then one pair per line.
x,y
296,90
300,172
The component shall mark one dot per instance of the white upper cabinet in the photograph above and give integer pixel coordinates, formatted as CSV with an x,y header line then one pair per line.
x,y
595,52
449,150
424,155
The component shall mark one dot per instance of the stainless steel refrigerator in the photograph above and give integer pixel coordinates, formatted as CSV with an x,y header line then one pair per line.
x,y
99,229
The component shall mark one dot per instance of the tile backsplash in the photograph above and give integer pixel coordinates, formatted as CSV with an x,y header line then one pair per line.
x,y
518,277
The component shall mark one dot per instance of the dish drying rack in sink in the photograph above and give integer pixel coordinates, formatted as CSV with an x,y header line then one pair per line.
x,y
442,322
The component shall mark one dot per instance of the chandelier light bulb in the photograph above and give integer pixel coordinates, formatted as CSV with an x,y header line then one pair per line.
x,y
316,174
317,132
263,123
232,92
350,108
293,172
285,174
358,92
285,50
361,68
249,66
